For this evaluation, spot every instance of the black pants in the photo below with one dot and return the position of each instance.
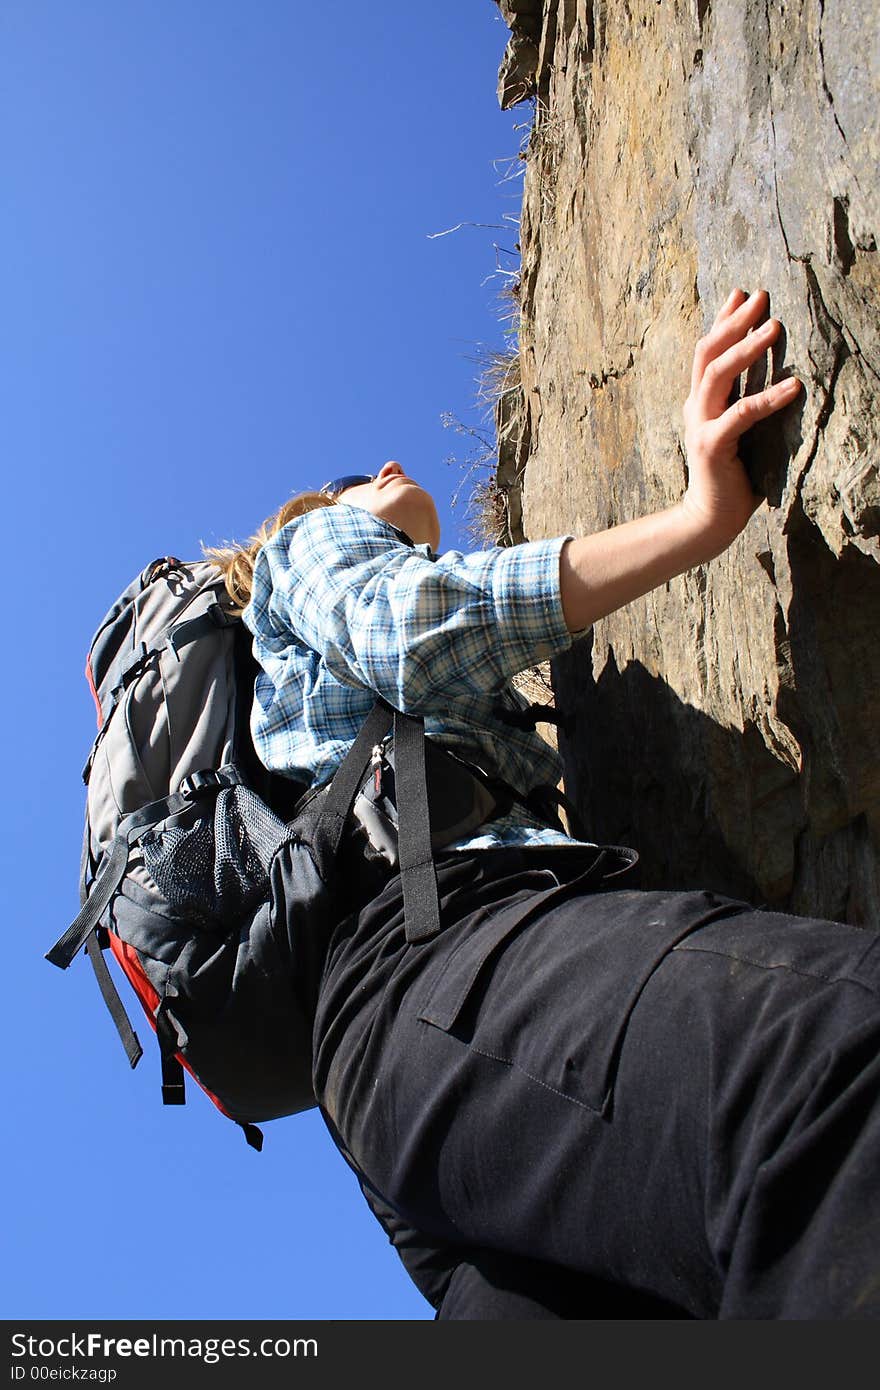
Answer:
(672, 1093)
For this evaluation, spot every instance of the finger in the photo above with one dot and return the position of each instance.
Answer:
(731, 303)
(734, 324)
(722, 372)
(730, 426)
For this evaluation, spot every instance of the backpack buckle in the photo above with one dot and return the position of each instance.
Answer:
(200, 784)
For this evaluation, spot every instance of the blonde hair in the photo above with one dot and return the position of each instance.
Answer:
(237, 561)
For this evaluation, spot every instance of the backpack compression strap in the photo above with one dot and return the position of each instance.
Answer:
(105, 885)
(129, 1037)
(113, 869)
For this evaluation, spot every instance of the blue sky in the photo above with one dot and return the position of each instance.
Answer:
(219, 286)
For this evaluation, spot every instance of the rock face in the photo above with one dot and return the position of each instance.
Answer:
(728, 725)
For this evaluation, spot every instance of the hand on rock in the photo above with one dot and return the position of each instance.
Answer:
(719, 497)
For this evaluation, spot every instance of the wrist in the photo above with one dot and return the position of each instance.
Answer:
(709, 530)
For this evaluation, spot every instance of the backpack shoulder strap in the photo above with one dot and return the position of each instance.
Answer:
(339, 797)
(421, 906)
(415, 853)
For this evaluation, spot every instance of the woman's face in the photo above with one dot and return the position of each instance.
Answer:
(394, 497)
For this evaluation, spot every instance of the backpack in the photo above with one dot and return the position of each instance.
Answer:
(212, 882)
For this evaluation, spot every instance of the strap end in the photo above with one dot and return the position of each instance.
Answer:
(253, 1136)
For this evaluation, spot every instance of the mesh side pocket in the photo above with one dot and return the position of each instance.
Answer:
(217, 869)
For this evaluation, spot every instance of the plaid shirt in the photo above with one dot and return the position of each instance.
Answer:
(343, 608)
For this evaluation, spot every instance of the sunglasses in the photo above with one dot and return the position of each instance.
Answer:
(332, 489)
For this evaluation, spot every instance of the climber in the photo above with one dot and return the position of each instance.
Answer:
(673, 1094)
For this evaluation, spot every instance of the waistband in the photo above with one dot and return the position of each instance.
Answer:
(478, 874)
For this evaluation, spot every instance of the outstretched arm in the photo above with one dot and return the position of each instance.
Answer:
(602, 572)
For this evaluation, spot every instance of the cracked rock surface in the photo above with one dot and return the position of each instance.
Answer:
(727, 725)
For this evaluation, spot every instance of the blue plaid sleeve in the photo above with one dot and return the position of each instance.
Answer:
(399, 621)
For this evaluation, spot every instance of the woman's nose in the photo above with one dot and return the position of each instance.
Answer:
(389, 468)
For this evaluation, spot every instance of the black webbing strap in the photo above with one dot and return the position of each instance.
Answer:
(421, 907)
(214, 617)
(252, 1133)
(350, 774)
(105, 885)
(127, 1035)
(122, 676)
(173, 1089)
(116, 863)
(415, 854)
